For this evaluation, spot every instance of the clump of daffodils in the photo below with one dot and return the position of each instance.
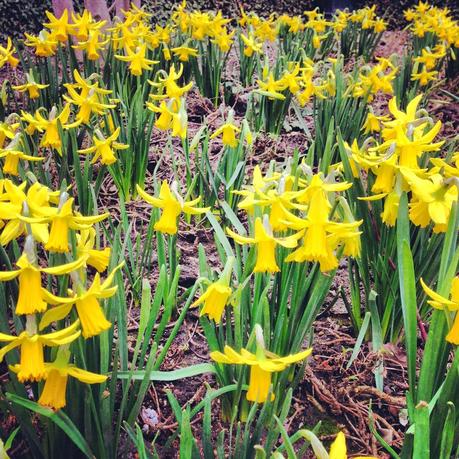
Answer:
(393, 159)
(170, 94)
(44, 222)
(312, 219)
(431, 20)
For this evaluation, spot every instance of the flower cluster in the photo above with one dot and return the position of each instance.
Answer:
(46, 222)
(395, 163)
(310, 212)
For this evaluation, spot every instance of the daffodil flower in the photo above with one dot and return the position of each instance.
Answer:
(172, 116)
(93, 45)
(86, 301)
(137, 59)
(32, 87)
(6, 54)
(172, 205)
(251, 45)
(184, 53)
(104, 148)
(401, 118)
(217, 294)
(262, 364)
(45, 43)
(82, 25)
(278, 201)
(424, 76)
(373, 123)
(266, 245)
(440, 302)
(271, 87)
(19, 207)
(57, 373)
(429, 59)
(228, 132)
(31, 364)
(97, 258)
(32, 296)
(338, 449)
(434, 199)
(59, 26)
(62, 220)
(321, 236)
(224, 40)
(51, 137)
(7, 130)
(13, 153)
(56, 376)
(169, 84)
(88, 102)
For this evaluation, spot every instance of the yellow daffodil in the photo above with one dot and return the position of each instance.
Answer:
(390, 211)
(137, 59)
(45, 43)
(56, 376)
(98, 258)
(6, 54)
(31, 364)
(321, 236)
(59, 26)
(440, 302)
(228, 132)
(19, 207)
(271, 87)
(217, 294)
(7, 130)
(172, 116)
(424, 76)
(266, 245)
(168, 85)
(434, 199)
(373, 123)
(32, 87)
(408, 140)
(251, 45)
(49, 127)
(172, 205)
(93, 45)
(13, 153)
(104, 148)
(62, 220)
(32, 296)
(224, 40)
(262, 364)
(88, 308)
(429, 59)
(88, 101)
(338, 449)
(83, 24)
(184, 53)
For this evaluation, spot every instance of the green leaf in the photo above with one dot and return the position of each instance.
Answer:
(407, 289)
(174, 375)
(59, 418)
(359, 340)
(421, 448)
(447, 436)
(220, 234)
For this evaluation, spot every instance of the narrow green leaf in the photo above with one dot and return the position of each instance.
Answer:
(59, 418)
(174, 375)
